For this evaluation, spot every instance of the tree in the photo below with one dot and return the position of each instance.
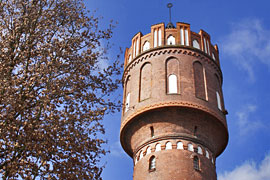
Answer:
(53, 93)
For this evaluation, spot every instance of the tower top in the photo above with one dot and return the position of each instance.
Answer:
(170, 24)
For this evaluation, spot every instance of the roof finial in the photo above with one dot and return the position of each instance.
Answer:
(170, 24)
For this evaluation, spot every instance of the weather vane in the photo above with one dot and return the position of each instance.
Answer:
(170, 24)
(170, 5)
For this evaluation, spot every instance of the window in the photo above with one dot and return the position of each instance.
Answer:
(196, 163)
(218, 101)
(205, 47)
(213, 56)
(168, 145)
(152, 163)
(186, 37)
(146, 46)
(172, 84)
(152, 131)
(180, 145)
(218, 91)
(158, 147)
(182, 36)
(127, 95)
(137, 47)
(129, 59)
(172, 73)
(195, 130)
(135, 160)
(127, 102)
(200, 150)
(190, 147)
(159, 37)
(134, 49)
(207, 154)
(171, 40)
(196, 44)
(148, 150)
(155, 38)
(208, 47)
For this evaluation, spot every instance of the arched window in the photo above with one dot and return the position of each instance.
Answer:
(129, 59)
(218, 90)
(190, 147)
(158, 147)
(155, 38)
(218, 101)
(196, 44)
(172, 73)
(205, 46)
(152, 163)
(172, 84)
(199, 80)
(171, 40)
(127, 102)
(207, 154)
(145, 81)
(127, 95)
(159, 36)
(180, 145)
(168, 145)
(213, 56)
(200, 150)
(152, 131)
(148, 150)
(146, 46)
(135, 160)
(137, 47)
(196, 163)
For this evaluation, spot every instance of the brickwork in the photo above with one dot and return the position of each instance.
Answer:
(191, 114)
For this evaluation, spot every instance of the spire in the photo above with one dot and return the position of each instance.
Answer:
(170, 24)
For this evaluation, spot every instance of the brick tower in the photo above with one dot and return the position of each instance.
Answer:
(173, 120)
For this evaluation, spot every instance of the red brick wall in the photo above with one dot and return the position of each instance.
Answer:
(174, 117)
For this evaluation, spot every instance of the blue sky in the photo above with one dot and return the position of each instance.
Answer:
(242, 31)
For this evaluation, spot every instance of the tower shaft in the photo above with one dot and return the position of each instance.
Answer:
(173, 120)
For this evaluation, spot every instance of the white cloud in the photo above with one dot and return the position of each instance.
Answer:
(247, 44)
(245, 124)
(249, 171)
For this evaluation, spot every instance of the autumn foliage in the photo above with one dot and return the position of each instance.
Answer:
(53, 92)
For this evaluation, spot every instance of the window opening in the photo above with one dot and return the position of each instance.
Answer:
(158, 147)
(207, 154)
(127, 102)
(218, 101)
(195, 130)
(172, 84)
(180, 145)
(146, 46)
(152, 163)
(199, 150)
(171, 40)
(168, 145)
(196, 163)
(190, 147)
(152, 131)
(196, 44)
